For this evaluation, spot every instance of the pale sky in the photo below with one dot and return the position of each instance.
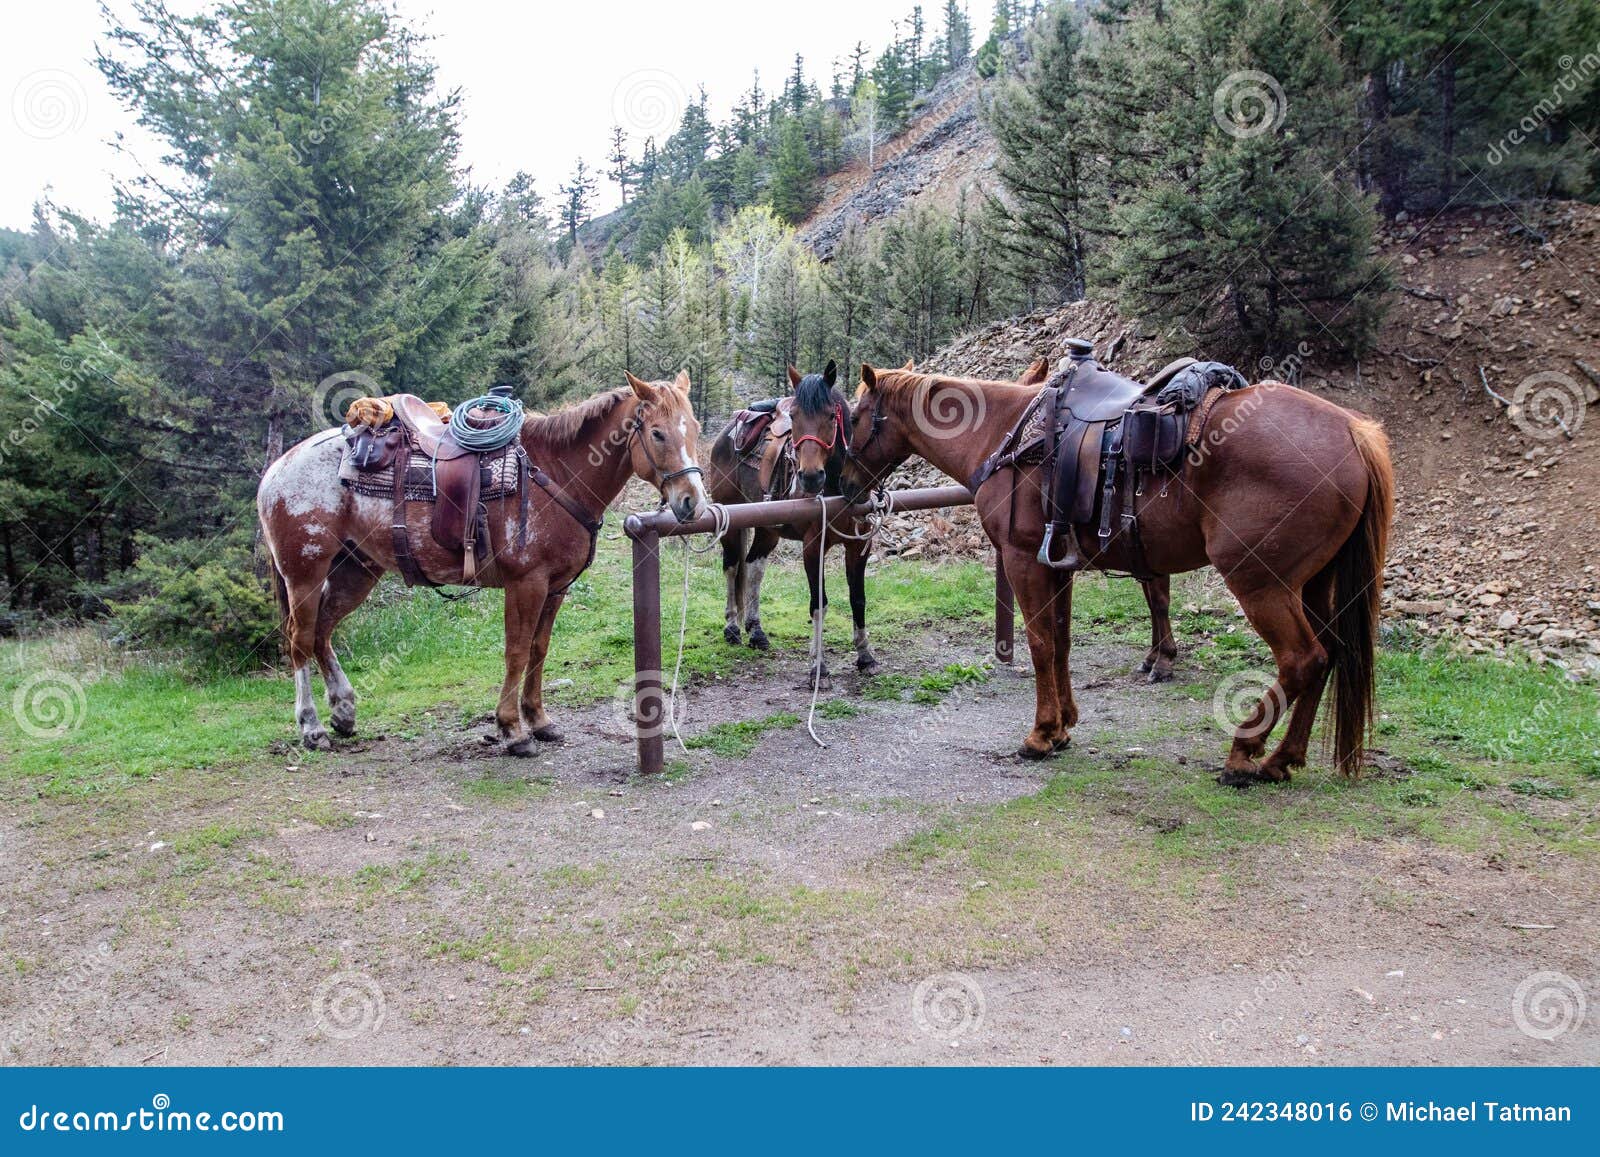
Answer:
(542, 84)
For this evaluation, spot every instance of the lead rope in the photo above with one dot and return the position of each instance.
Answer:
(816, 626)
(719, 515)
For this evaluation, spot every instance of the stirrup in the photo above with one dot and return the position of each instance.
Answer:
(1068, 561)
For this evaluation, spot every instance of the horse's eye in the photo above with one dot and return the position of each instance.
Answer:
(658, 435)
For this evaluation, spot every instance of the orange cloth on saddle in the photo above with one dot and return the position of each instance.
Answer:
(378, 412)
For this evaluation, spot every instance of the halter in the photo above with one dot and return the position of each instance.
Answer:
(839, 429)
(850, 452)
(635, 428)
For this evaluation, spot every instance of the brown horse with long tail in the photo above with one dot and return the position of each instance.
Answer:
(1292, 506)
(330, 544)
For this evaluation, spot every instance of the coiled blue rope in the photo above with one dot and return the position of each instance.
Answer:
(482, 440)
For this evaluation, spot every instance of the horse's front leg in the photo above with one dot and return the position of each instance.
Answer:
(1035, 588)
(1163, 647)
(539, 723)
(856, 552)
(524, 602)
(811, 561)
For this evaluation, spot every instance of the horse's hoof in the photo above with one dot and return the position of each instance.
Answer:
(549, 733)
(1034, 753)
(730, 634)
(342, 726)
(520, 748)
(317, 740)
(1160, 675)
(1144, 668)
(867, 666)
(758, 639)
(1240, 777)
(1057, 746)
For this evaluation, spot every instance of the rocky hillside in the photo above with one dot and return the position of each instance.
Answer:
(944, 151)
(1487, 377)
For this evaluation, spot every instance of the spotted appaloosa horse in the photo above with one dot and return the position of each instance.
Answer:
(1293, 508)
(816, 445)
(330, 545)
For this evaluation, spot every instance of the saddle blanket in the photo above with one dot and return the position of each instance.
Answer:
(501, 476)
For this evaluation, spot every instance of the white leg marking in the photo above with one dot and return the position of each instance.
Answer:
(754, 573)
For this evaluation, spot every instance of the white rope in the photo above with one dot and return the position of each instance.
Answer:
(817, 619)
(719, 517)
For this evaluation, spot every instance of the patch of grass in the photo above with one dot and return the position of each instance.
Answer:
(838, 709)
(492, 788)
(211, 836)
(737, 740)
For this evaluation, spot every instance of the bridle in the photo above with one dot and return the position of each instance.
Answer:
(839, 430)
(851, 453)
(635, 431)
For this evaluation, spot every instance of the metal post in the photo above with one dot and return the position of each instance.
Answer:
(649, 706)
(1004, 614)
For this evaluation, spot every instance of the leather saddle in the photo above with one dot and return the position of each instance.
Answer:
(760, 435)
(456, 480)
(1100, 434)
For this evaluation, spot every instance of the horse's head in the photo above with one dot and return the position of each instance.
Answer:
(819, 426)
(877, 442)
(665, 439)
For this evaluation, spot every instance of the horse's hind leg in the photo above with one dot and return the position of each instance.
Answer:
(1279, 616)
(524, 602)
(1163, 647)
(855, 573)
(734, 544)
(762, 544)
(1317, 603)
(304, 601)
(348, 584)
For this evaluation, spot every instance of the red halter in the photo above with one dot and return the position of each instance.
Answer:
(838, 428)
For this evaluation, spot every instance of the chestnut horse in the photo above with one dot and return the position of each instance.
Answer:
(1289, 496)
(330, 544)
(816, 448)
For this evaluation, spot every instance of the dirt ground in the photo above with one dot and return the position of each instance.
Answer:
(427, 900)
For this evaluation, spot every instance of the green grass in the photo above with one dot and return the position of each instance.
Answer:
(739, 739)
(420, 663)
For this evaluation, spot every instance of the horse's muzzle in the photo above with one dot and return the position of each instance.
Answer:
(811, 481)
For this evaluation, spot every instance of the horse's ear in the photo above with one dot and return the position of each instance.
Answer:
(645, 391)
(682, 381)
(909, 366)
(1035, 373)
(869, 378)
(830, 373)
(794, 377)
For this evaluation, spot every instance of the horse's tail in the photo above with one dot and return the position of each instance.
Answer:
(1357, 601)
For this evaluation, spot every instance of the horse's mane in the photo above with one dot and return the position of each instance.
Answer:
(814, 395)
(564, 427)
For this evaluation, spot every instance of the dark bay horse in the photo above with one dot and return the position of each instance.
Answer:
(330, 544)
(1291, 501)
(815, 451)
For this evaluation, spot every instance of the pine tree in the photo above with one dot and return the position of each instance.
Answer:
(790, 193)
(621, 170)
(1242, 222)
(1045, 160)
(577, 196)
(991, 53)
(957, 35)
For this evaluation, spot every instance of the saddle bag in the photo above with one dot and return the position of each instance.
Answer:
(373, 449)
(1152, 436)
